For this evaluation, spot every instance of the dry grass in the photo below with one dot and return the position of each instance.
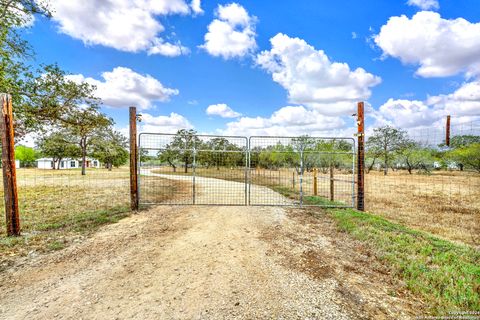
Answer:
(446, 204)
(443, 203)
(56, 207)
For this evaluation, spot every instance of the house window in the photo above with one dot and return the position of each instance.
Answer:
(62, 164)
(52, 164)
(95, 163)
(72, 164)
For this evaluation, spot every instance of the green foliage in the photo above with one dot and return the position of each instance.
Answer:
(306, 151)
(82, 124)
(180, 149)
(384, 143)
(463, 141)
(413, 156)
(26, 155)
(58, 145)
(468, 156)
(15, 52)
(109, 146)
(219, 152)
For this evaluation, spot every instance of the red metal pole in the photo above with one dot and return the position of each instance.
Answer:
(447, 132)
(361, 157)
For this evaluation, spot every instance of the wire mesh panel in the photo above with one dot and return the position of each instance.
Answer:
(303, 171)
(193, 169)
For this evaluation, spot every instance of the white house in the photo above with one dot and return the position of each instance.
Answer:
(48, 163)
(17, 164)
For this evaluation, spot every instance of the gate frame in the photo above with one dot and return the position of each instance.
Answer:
(194, 150)
(301, 205)
(247, 170)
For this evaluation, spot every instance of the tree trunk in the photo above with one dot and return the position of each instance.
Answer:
(83, 145)
(110, 166)
(385, 166)
(370, 167)
(59, 162)
(186, 166)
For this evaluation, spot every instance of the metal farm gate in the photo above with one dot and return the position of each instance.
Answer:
(189, 169)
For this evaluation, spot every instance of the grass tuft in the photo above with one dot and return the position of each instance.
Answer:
(444, 274)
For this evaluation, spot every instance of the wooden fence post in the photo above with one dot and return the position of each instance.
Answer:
(361, 157)
(315, 182)
(9, 169)
(133, 160)
(332, 184)
(447, 132)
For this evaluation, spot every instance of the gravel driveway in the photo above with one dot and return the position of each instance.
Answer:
(200, 263)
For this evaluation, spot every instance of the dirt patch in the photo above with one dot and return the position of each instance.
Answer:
(314, 246)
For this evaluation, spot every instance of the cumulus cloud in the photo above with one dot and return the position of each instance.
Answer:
(287, 121)
(232, 33)
(424, 4)
(408, 113)
(439, 46)
(122, 24)
(222, 110)
(463, 104)
(312, 79)
(123, 87)
(196, 6)
(164, 124)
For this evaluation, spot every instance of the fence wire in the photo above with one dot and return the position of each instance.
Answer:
(64, 201)
(218, 170)
(439, 195)
(198, 169)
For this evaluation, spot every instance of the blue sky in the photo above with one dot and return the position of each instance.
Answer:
(89, 38)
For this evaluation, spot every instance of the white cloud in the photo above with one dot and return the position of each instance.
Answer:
(408, 113)
(164, 124)
(313, 80)
(167, 49)
(424, 4)
(222, 110)
(463, 104)
(440, 47)
(465, 101)
(123, 87)
(232, 33)
(122, 24)
(287, 121)
(196, 6)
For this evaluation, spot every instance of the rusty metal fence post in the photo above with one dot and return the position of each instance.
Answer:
(361, 157)
(447, 132)
(9, 169)
(133, 160)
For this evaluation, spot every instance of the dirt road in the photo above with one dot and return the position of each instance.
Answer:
(223, 192)
(199, 263)
(207, 263)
